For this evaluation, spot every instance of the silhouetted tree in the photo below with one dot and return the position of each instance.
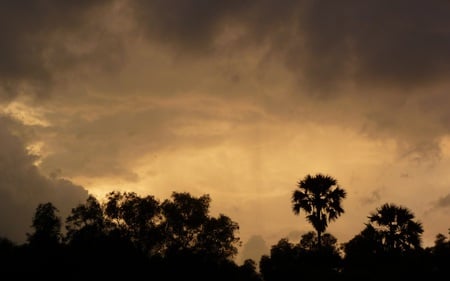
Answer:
(248, 271)
(308, 242)
(320, 197)
(95, 245)
(42, 256)
(396, 228)
(362, 251)
(440, 256)
(324, 261)
(86, 222)
(389, 244)
(137, 217)
(197, 245)
(305, 259)
(218, 238)
(282, 263)
(188, 226)
(184, 217)
(6, 246)
(9, 257)
(47, 227)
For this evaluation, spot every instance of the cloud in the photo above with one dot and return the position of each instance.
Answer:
(49, 41)
(373, 198)
(375, 43)
(254, 248)
(378, 67)
(23, 187)
(116, 82)
(443, 202)
(388, 59)
(112, 141)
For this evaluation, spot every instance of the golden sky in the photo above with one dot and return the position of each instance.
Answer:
(235, 99)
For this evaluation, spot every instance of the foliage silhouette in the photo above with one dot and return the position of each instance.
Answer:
(320, 197)
(396, 228)
(86, 222)
(176, 238)
(127, 236)
(43, 252)
(137, 218)
(188, 227)
(389, 244)
(305, 259)
(440, 256)
(47, 226)
(94, 244)
(248, 271)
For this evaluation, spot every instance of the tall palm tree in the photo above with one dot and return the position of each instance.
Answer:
(396, 227)
(320, 197)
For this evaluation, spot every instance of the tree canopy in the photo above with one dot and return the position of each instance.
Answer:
(128, 236)
(320, 197)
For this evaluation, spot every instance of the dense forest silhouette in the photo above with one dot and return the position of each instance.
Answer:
(127, 236)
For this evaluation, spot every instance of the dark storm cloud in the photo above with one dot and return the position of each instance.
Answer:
(40, 40)
(191, 24)
(389, 60)
(373, 43)
(392, 46)
(23, 187)
(193, 27)
(401, 44)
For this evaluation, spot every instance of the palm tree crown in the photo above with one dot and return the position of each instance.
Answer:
(397, 228)
(320, 197)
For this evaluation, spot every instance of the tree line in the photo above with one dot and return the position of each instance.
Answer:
(388, 248)
(141, 238)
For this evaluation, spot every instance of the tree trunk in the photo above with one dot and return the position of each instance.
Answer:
(319, 239)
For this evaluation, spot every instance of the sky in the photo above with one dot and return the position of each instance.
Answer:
(237, 99)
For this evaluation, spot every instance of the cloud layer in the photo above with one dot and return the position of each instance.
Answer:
(23, 187)
(127, 91)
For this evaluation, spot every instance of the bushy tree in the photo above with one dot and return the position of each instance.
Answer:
(188, 227)
(47, 227)
(305, 259)
(137, 218)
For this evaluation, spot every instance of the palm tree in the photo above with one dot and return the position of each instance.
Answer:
(320, 197)
(396, 228)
